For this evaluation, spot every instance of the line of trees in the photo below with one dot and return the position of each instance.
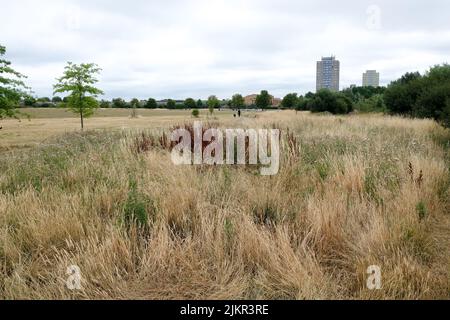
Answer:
(236, 102)
(422, 96)
(415, 95)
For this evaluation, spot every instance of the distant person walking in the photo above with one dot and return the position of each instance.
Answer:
(239, 113)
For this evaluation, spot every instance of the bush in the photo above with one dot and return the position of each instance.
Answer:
(195, 113)
(373, 104)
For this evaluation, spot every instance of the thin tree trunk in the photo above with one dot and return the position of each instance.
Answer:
(81, 111)
(82, 120)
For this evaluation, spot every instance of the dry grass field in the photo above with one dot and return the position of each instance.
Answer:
(352, 191)
(44, 123)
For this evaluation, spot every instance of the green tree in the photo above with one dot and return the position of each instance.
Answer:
(189, 103)
(29, 101)
(401, 95)
(12, 88)
(119, 103)
(434, 96)
(151, 104)
(134, 103)
(237, 101)
(309, 95)
(302, 104)
(290, 101)
(56, 100)
(104, 104)
(213, 103)
(199, 104)
(327, 101)
(171, 104)
(79, 81)
(263, 100)
(424, 96)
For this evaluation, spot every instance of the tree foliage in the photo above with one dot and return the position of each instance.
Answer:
(104, 104)
(357, 94)
(290, 101)
(12, 88)
(171, 104)
(263, 100)
(119, 103)
(237, 101)
(213, 103)
(190, 103)
(402, 94)
(78, 81)
(426, 96)
(327, 101)
(151, 104)
(134, 103)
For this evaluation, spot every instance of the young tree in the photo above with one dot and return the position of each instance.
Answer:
(189, 103)
(237, 101)
(151, 104)
(213, 103)
(12, 88)
(263, 100)
(78, 81)
(134, 105)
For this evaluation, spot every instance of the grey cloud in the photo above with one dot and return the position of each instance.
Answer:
(196, 48)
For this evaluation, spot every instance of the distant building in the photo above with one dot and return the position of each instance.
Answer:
(371, 78)
(276, 102)
(250, 100)
(327, 76)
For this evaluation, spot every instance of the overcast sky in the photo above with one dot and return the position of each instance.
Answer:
(179, 49)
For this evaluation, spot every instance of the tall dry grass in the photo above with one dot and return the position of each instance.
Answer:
(351, 192)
